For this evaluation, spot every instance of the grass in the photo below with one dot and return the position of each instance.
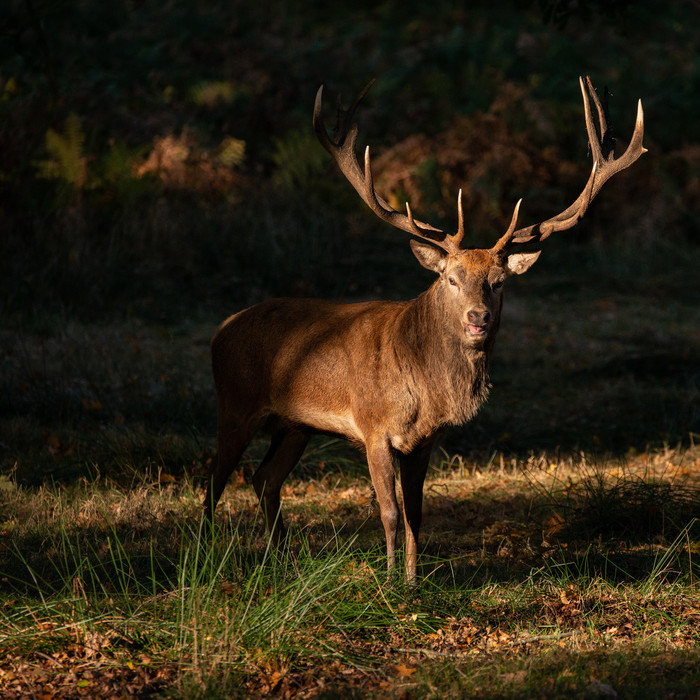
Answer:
(111, 587)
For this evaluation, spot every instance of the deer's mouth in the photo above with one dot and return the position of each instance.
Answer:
(475, 330)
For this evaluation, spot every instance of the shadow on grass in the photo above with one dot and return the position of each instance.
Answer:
(640, 672)
(615, 529)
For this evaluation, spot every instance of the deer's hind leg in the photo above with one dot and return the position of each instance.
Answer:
(286, 447)
(233, 438)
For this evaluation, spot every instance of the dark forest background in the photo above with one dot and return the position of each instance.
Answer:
(158, 158)
(159, 171)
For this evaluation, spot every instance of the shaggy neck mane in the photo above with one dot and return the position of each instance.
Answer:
(434, 353)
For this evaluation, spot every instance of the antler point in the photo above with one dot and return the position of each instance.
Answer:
(318, 101)
(513, 222)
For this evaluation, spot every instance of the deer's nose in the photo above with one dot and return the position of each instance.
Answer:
(479, 318)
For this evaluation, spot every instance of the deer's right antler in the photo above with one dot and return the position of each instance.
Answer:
(342, 148)
(605, 165)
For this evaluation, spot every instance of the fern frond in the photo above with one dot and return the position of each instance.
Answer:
(68, 161)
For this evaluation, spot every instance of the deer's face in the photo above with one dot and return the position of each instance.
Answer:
(471, 284)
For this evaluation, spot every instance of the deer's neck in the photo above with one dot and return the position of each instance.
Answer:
(453, 374)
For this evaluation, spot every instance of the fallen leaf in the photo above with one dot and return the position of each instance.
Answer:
(517, 677)
(57, 448)
(553, 525)
(404, 671)
(237, 479)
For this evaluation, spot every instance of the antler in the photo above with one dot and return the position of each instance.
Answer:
(342, 148)
(604, 167)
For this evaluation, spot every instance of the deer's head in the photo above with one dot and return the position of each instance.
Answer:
(470, 285)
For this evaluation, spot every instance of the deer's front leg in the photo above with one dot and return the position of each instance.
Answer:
(413, 468)
(381, 470)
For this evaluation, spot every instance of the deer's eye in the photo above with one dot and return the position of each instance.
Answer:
(452, 281)
(497, 285)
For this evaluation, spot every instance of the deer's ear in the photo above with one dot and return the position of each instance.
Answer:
(429, 256)
(517, 263)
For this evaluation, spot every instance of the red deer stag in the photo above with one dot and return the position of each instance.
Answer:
(388, 376)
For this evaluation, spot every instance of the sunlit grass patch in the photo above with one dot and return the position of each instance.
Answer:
(121, 580)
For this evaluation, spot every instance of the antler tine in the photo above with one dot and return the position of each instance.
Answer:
(604, 146)
(342, 148)
(344, 117)
(505, 240)
(458, 237)
(605, 165)
(416, 231)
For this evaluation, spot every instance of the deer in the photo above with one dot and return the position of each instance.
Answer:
(389, 376)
